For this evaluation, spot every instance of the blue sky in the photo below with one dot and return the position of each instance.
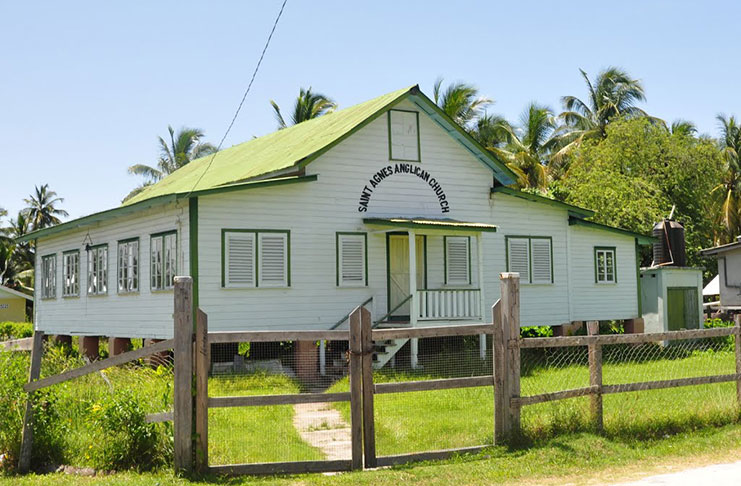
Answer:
(86, 87)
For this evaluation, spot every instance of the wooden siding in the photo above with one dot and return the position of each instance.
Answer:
(143, 314)
(589, 300)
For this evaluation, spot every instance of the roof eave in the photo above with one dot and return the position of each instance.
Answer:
(641, 239)
(573, 210)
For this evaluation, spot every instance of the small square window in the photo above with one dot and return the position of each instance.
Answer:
(604, 265)
(403, 128)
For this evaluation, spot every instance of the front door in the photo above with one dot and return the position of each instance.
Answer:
(398, 272)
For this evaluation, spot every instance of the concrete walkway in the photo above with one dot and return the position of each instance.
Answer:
(716, 475)
(320, 425)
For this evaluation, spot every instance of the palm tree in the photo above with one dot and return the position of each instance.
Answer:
(182, 148)
(528, 149)
(461, 102)
(42, 208)
(683, 127)
(728, 191)
(613, 94)
(24, 252)
(308, 105)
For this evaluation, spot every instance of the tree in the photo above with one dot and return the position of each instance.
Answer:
(16, 259)
(180, 150)
(528, 148)
(633, 177)
(683, 127)
(308, 105)
(614, 94)
(42, 210)
(461, 102)
(727, 192)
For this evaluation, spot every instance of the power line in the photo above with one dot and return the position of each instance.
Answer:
(249, 86)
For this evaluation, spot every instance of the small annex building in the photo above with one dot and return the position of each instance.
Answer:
(729, 275)
(388, 202)
(13, 305)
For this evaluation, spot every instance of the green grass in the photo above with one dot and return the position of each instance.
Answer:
(255, 434)
(571, 458)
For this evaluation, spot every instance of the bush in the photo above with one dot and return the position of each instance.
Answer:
(536, 331)
(122, 437)
(49, 430)
(15, 330)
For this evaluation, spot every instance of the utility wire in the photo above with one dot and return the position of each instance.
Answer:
(239, 108)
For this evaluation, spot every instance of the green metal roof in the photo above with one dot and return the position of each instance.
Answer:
(292, 148)
(576, 210)
(448, 224)
(642, 239)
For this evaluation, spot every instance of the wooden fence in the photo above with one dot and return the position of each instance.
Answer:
(507, 366)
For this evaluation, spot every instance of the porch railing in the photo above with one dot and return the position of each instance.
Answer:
(436, 304)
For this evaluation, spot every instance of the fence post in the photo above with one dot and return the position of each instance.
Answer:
(356, 394)
(510, 305)
(369, 429)
(499, 349)
(203, 362)
(737, 318)
(183, 407)
(595, 376)
(24, 461)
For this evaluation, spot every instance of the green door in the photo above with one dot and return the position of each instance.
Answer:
(682, 312)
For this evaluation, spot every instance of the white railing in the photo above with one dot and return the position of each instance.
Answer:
(438, 304)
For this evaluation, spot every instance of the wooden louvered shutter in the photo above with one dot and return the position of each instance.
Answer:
(239, 253)
(540, 249)
(457, 258)
(351, 261)
(273, 248)
(518, 257)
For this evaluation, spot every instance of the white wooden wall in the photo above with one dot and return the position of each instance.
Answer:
(144, 314)
(590, 300)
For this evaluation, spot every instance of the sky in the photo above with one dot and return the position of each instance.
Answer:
(87, 87)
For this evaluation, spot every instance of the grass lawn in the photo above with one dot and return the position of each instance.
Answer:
(255, 434)
(422, 421)
(572, 458)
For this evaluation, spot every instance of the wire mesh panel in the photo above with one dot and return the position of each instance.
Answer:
(258, 432)
(652, 411)
(432, 419)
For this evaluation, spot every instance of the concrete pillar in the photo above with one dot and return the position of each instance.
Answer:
(323, 358)
(634, 326)
(118, 345)
(307, 358)
(89, 347)
(568, 329)
(414, 353)
(63, 339)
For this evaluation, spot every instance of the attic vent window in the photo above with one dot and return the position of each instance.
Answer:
(403, 128)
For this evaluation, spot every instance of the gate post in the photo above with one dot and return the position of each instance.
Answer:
(356, 394)
(595, 376)
(501, 384)
(183, 406)
(203, 362)
(369, 428)
(510, 315)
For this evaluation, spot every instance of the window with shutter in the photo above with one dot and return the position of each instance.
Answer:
(273, 248)
(239, 254)
(351, 260)
(403, 135)
(457, 260)
(540, 250)
(518, 257)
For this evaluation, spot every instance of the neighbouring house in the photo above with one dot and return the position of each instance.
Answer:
(729, 276)
(13, 305)
(388, 200)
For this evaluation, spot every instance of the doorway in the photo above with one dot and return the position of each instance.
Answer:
(397, 282)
